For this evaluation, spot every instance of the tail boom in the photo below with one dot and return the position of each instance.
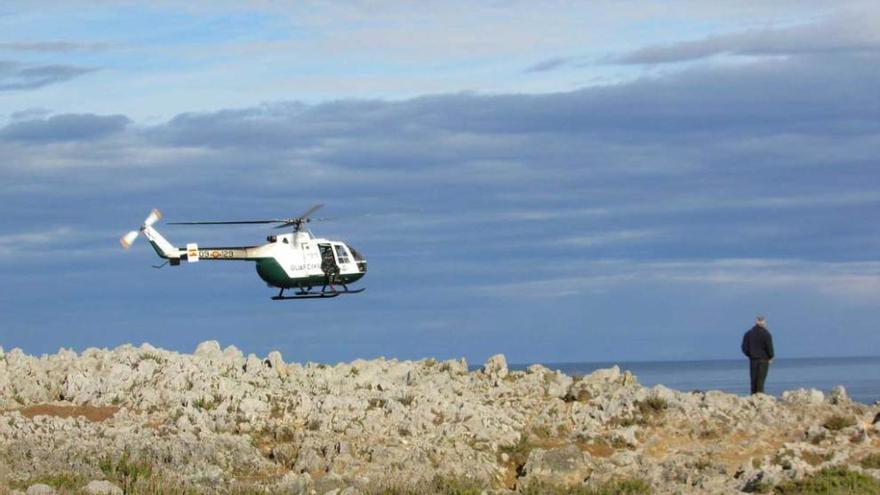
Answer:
(194, 253)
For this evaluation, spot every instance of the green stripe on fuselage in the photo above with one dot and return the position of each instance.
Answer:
(273, 274)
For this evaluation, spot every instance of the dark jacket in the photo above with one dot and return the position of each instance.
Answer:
(758, 343)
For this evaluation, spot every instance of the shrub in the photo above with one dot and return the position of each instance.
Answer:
(831, 481)
(652, 405)
(837, 422)
(871, 461)
(518, 453)
(125, 470)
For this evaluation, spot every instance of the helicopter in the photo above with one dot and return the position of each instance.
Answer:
(295, 260)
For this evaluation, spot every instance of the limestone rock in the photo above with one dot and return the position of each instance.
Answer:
(102, 487)
(209, 349)
(40, 489)
(565, 465)
(803, 396)
(208, 417)
(495, 367)
(295, 484)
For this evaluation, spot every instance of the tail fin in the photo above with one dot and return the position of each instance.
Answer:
(163, 248)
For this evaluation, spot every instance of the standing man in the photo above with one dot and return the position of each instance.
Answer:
(757, 345)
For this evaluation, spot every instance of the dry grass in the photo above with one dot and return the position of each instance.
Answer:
(599, 449)
(95, 414)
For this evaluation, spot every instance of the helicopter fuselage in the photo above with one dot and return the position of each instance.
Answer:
(287, 261)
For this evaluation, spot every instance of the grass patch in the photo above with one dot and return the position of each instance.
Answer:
(614, 487)
(125, 471)
(464, 486)
(871, 461)
(815, 458)
(151, 356)
(440, 485)
(837, 422)
(61, 482)
(207, 404)
(832, 481)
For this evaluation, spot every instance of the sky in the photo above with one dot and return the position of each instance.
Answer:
(555, 181)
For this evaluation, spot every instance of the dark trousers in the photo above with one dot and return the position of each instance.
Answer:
(758, 372)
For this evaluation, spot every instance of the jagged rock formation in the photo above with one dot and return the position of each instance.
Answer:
(216, 417)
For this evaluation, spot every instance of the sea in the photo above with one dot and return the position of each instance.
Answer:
(859, 375)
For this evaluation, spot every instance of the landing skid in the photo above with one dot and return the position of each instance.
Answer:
(323, 293)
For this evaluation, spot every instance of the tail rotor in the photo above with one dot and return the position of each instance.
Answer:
(130, 237)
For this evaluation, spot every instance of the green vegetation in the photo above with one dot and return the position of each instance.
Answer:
(647, 412)
(542, 431)
(517, 454)
(125, 471)
(151, 356)
(816, 458)
(582, 395)
(837, 422)
(60, 482)
(438, 486)
(614, 487)
(140, 478)
(207, 404)
(832, 481)
(871, 461)
(652, 406)
(461, 486)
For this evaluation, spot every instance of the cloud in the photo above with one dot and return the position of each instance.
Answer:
(53, 46)
(548, 64)
(836, 35)
(65, 127)
(856, 282)
(27, 242)
(762, 120)
(755, 97)
(611, 237)
(735, 161)
(17, 76)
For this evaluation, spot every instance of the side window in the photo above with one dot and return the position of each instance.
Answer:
(341, 254)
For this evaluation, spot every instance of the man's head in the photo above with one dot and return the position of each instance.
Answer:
(761, 321)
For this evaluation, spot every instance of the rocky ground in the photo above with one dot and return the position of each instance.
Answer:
(218, 421)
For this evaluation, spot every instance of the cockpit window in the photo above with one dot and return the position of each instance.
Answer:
(341, 254)
(357, 255)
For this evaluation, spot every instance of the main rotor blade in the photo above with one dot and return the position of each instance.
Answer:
(226, 222)
(311, 210)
